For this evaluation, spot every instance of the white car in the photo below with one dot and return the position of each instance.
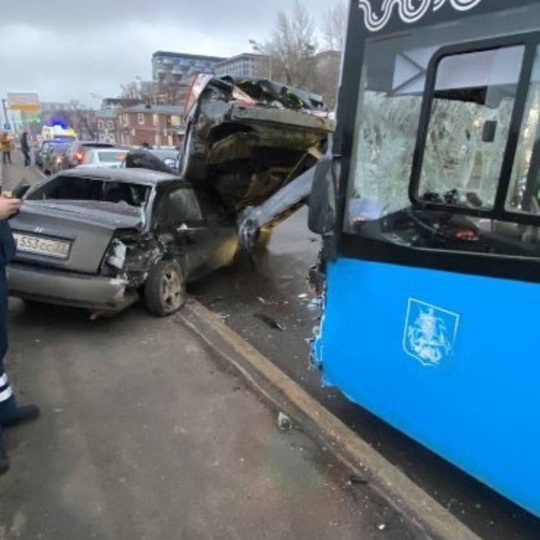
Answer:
(110, 158)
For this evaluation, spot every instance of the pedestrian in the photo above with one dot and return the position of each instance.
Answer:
(25, 148)
(10, 413)
(5, 145)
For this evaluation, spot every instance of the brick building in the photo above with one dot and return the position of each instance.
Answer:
(107, 125)
(157, 125)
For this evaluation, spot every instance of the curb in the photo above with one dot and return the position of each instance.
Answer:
(283, 393)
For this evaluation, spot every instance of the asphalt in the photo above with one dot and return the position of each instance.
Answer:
(146, 434)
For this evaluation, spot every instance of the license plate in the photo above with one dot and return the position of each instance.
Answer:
(27, 243)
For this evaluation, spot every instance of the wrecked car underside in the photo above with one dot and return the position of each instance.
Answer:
(248, 139)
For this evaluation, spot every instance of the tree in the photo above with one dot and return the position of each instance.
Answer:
(335, 27)
(293, 47)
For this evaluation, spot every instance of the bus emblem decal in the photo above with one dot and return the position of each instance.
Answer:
(410, 11)
(430, 333)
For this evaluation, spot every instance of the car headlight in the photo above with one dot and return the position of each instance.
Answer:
(116, 256)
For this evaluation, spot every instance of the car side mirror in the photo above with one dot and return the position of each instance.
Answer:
(323, 200)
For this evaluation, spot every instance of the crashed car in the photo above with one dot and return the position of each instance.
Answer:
(248, 138)
(100, 239)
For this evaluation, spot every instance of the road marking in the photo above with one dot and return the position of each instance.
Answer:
(277, 387)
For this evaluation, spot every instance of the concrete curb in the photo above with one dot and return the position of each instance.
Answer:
(284, 394)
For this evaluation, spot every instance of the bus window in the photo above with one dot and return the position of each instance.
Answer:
(387, 130)
(524, 192)
(469, 123)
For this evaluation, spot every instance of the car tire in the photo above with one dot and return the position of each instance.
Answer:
(190, 165)
(165, 289)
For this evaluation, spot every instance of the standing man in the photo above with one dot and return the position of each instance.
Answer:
(25, 148)
(10, 414)
(5, 146)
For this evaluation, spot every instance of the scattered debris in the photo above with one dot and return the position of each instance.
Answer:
(223, 316)
(356, 479)
(381, 527)
(270, 321)
(302, 296)
(284, 422)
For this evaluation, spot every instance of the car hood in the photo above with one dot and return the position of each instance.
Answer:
(88, 226)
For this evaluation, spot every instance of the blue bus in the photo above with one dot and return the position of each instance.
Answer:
(429, 207)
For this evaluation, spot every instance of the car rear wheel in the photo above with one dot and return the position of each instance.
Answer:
(165, 289)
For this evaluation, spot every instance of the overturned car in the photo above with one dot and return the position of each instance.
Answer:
(247, 139)
(102, 238)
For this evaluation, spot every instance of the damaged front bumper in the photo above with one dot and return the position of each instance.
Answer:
(69, 289)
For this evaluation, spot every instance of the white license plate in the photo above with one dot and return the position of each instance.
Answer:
(28, 243)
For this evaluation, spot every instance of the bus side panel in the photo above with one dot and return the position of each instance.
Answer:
(437, 355)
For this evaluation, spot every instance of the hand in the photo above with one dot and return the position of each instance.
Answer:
(7, 195)
(9, 207)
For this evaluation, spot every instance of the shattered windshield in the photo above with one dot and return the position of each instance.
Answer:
(442, 146)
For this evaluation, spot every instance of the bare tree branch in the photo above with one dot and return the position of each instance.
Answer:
(335, 27)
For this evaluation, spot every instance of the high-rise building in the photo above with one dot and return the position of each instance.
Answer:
(177, 67)
(244, 65)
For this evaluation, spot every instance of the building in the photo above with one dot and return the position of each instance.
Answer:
(178, 67)
(107, 125)
(157, 125)
(164, 93)
(244, 65)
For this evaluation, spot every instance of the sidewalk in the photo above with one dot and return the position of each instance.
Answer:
(11, 174)
(145, 435)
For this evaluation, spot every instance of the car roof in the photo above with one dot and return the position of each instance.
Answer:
(145, 177)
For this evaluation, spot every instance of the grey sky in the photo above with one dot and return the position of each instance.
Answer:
(69, 49)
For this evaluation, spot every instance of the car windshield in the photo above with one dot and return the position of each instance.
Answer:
(77, 188)
(111, 157)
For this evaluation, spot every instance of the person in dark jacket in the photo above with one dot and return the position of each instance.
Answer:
(25, 148)
(11, 414)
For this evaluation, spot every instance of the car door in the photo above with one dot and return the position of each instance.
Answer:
(180, 223)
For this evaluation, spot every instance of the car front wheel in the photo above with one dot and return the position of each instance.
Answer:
(165, 289)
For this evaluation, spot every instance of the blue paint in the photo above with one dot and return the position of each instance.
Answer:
(476, 402)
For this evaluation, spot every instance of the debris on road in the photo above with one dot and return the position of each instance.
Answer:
(270, 321)
(284, 422)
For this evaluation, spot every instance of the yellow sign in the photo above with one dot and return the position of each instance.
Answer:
(23, 101)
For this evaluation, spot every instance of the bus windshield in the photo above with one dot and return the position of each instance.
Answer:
(435, 125)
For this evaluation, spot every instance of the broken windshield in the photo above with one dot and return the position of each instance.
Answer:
(441, 122)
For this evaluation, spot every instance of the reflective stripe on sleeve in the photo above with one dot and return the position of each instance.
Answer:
(6, 394)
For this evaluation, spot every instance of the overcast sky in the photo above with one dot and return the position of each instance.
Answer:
(69, 49)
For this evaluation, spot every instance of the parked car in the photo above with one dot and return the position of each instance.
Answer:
(156, 160)
(110, 158)
(38, 156)
(100, 238)
(55, 157)
(78, 150)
